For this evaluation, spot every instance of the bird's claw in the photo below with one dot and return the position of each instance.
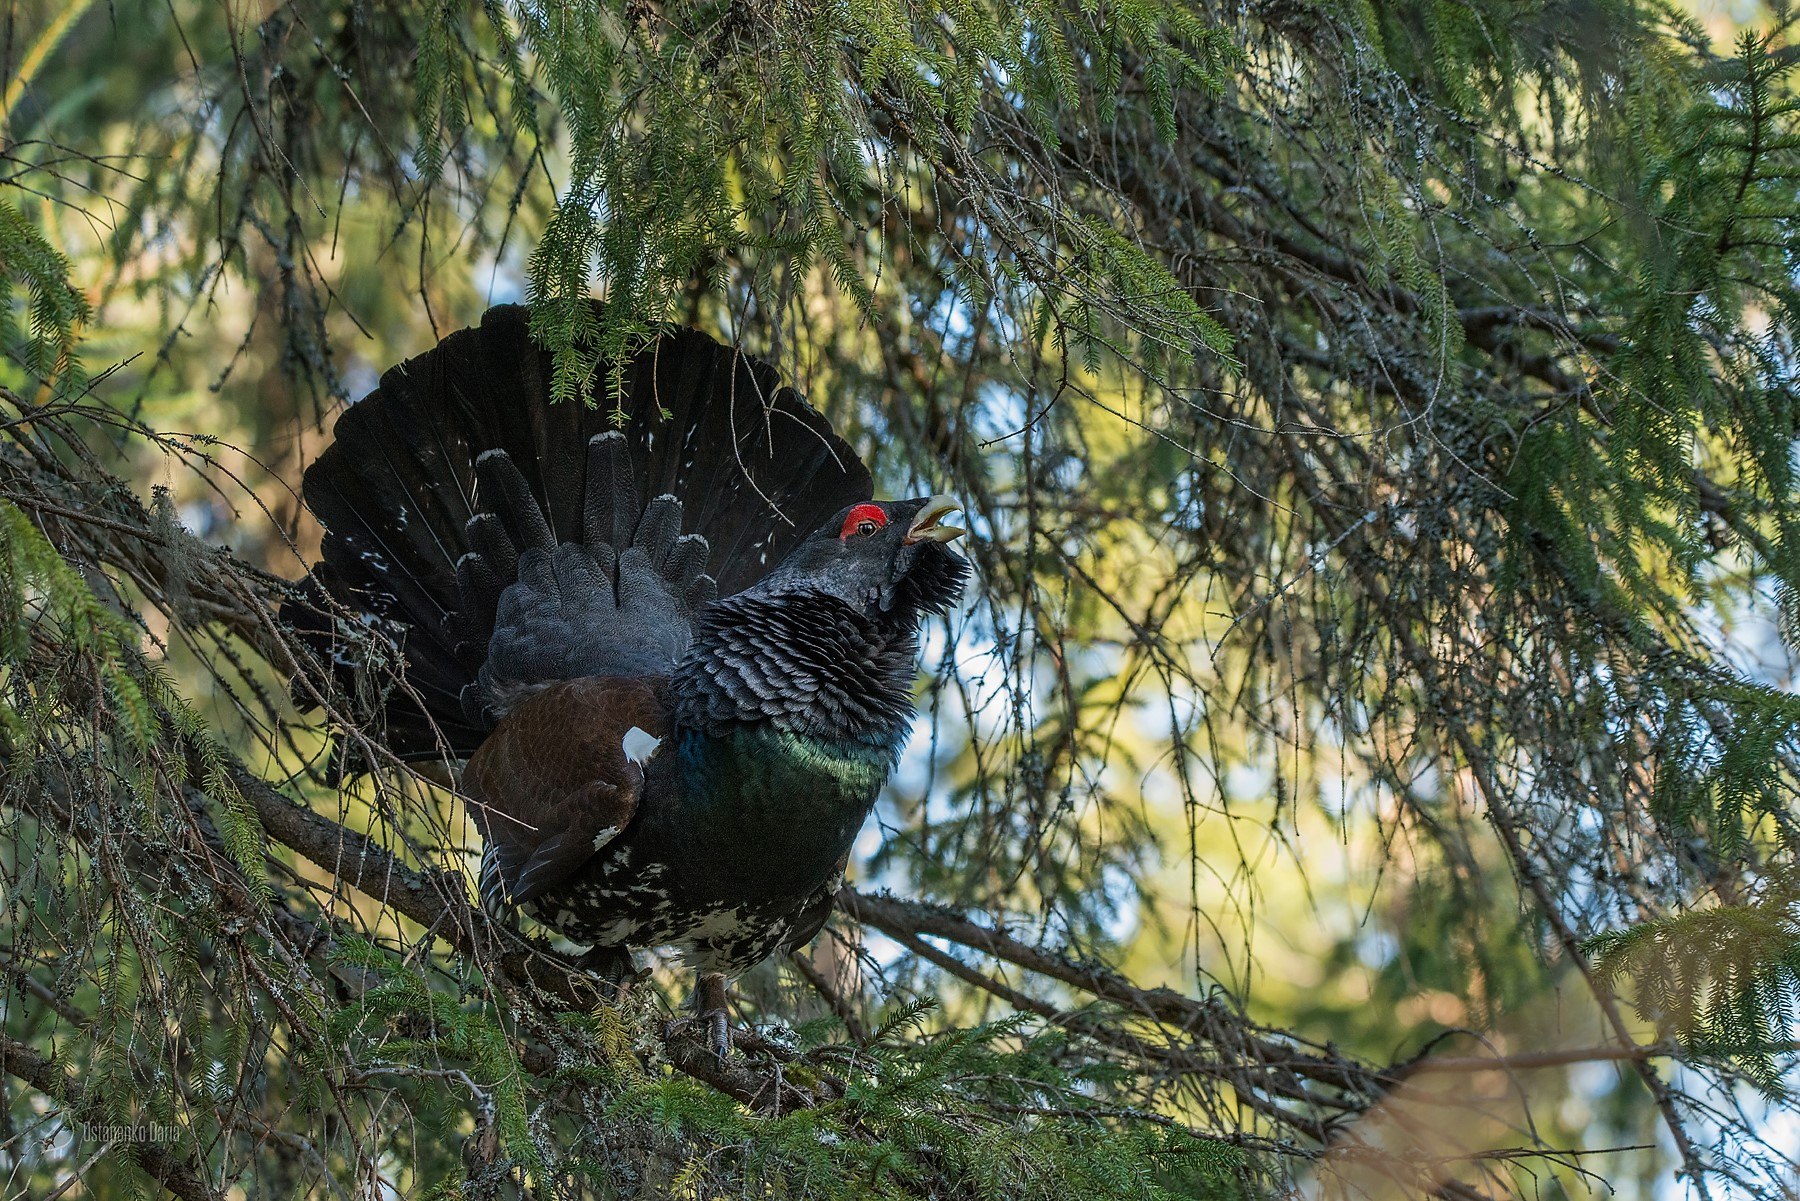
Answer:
(712, 1024)
(710, 1001)
(615, 968)
(718, 1033)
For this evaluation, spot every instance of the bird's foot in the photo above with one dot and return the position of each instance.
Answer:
(710, 1001)
(614, 966)
(718, 1033)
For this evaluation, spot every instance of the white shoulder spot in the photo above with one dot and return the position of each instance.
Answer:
(640, 745)
(605, 836)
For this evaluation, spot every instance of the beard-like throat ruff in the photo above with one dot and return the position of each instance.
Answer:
(930, 580)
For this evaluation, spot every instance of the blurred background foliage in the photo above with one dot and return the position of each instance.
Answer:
(1376, 420)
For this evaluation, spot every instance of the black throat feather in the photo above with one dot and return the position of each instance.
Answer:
(803, 662)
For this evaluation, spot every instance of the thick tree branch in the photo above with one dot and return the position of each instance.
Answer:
(1210, 1021)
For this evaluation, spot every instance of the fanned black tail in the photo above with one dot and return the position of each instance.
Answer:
(504, 541)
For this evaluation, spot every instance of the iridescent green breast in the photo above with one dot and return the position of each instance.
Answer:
(855, 769)
(760, 768)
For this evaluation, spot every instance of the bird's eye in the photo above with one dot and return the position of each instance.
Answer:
(863, 519)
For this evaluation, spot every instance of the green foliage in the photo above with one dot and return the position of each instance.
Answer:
(1719, 186)
(98, 745)
(917, 1119)
(1721, 772)
(702, 134)
(991, 1110)
(44, 601)
(401, 1016)
(1377, 421)
(53, 309)
(1726, 981)
(1695, 376)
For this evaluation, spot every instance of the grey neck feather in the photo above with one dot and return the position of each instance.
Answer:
(800, 661)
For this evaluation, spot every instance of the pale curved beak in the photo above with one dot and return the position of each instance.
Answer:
(926, 527)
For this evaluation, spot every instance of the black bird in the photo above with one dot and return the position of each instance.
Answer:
(669, 632)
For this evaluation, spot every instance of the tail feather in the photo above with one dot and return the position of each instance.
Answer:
(457, 475)
(610, 502)
(506, 495)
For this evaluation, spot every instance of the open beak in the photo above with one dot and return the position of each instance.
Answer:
(925, 527)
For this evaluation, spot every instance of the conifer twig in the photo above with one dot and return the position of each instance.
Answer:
(177, 1173)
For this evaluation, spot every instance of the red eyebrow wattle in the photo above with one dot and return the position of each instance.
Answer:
(860, 514)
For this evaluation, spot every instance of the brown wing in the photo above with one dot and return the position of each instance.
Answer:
(559, 777)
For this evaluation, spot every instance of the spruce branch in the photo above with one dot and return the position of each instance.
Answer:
(181, 1175)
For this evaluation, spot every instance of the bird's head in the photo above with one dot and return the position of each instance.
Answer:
(887, 559)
